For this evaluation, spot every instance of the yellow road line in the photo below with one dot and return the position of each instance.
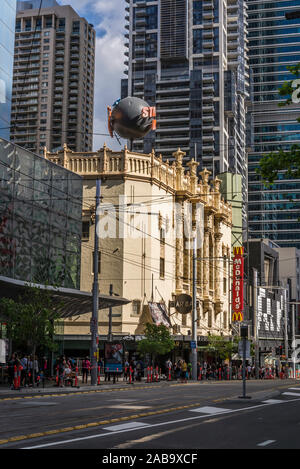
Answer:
(39, 396)
(94, 424)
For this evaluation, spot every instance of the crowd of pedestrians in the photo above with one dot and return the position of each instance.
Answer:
(34, 371)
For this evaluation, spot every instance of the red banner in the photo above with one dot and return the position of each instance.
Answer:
(238, 284)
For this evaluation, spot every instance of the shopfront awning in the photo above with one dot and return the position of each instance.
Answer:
(70, 302)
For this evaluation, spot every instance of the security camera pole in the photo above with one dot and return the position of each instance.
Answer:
(94, 320)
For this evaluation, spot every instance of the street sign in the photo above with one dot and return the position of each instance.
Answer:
(193, 344)
(184, 304)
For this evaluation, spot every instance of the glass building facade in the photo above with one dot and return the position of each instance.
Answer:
(274, 212)
(40, 219)
(7, 39)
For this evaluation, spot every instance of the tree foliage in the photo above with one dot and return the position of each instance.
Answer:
(31, 320)
(158, 340)
(283, 160)
(224, 348)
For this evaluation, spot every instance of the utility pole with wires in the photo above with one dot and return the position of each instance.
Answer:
(94, 320)
(194, 311)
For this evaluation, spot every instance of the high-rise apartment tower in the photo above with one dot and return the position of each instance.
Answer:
(189, 59)
(53, 87)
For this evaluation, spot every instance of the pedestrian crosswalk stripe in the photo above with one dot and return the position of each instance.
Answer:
(291, 394)
(273, 401)
(295, 389)
(265, 443)
(126, 426)
(210, 410)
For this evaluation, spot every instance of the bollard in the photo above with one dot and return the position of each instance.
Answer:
(130, 375)
(151, 374)
(125, 373)
(98, 380)
(76, 377)
(169, 373)
(15, 377)
(56, 379)
(220, 376)
(156, 378)
(148, 375)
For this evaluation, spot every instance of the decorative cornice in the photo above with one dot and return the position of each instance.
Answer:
(107, 164)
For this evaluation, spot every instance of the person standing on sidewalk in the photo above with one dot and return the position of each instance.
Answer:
(184, 371)
(86, 366)
(24, 370)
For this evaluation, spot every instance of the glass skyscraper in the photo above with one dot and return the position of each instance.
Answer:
(189, 59)
(274, 44)
(7, 39)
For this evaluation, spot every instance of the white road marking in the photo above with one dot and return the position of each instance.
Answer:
(126, 426)
(210, 410)
(273, 401)
(291, 394)
(169, 422)
(295, 389)
(266, 443)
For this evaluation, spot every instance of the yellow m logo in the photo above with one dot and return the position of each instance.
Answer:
(238, 251)
(237, 316)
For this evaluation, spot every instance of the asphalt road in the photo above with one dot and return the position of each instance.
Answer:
(158, 416)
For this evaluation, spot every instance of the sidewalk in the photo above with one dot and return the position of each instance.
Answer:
(52, 388)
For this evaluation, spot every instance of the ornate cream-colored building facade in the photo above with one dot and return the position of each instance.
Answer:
(144, 253)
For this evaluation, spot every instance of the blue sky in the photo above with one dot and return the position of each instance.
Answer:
(107, 16)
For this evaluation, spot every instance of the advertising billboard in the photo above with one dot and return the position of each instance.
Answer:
(113, 357)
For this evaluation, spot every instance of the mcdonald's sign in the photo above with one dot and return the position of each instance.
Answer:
(238, 284)
(237, 316)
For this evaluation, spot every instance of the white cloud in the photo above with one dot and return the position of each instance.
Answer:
(109, 64)
(107, 17)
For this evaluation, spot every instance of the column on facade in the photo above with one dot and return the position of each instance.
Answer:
(218, 277)
(179, 246)
(205, 275)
